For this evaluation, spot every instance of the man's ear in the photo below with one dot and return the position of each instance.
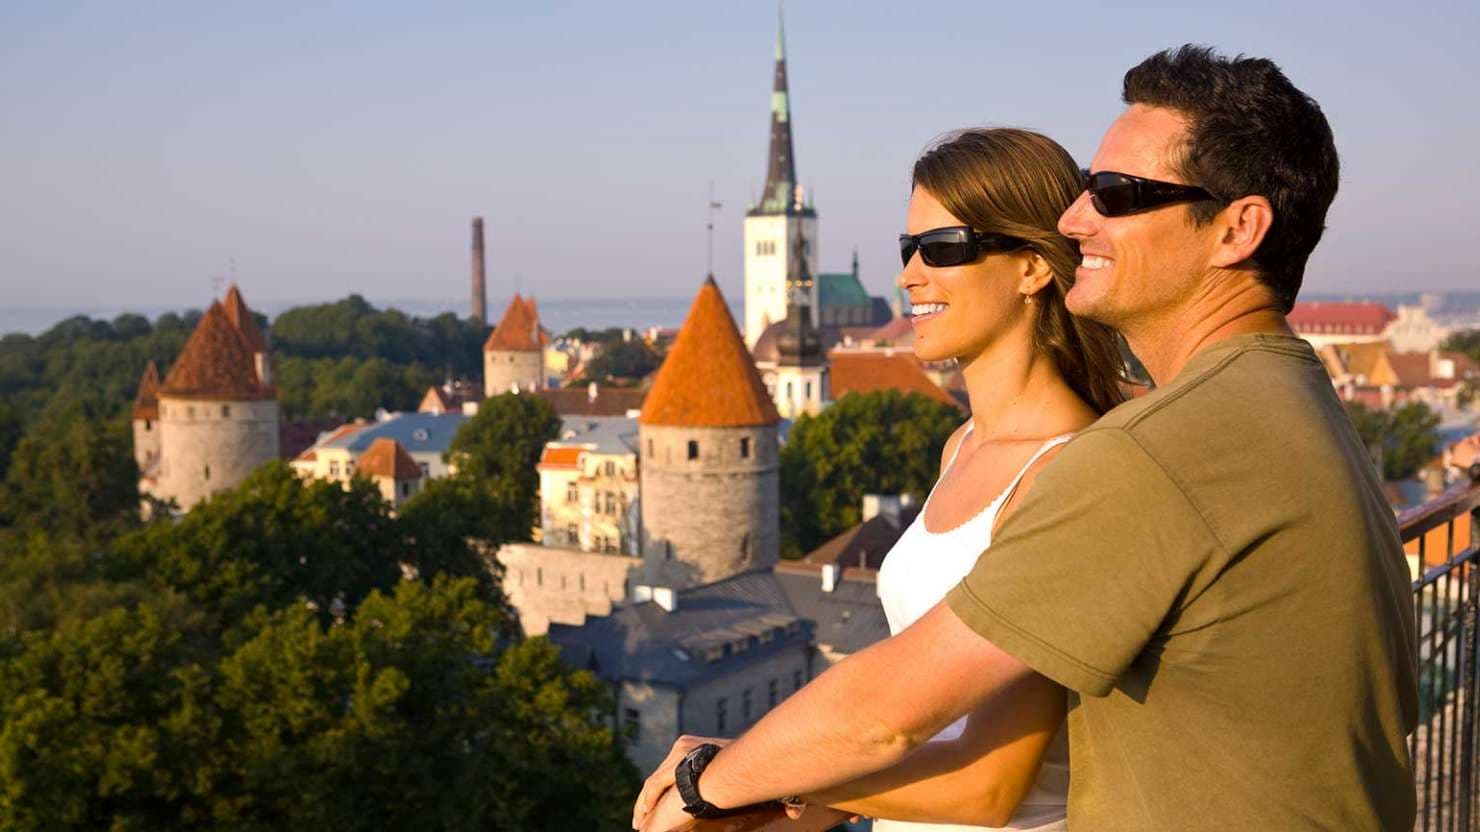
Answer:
(1244, 223)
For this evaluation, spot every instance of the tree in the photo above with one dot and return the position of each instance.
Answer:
(273, 540)
(495, 454)
(1401, 441)
(73, 473)
(412, 712)
(625, 360)
(883, 442)
(1466, 341)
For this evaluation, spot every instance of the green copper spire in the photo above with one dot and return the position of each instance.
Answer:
(780, 195)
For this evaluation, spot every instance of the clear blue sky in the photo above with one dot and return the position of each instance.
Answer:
(344, 147)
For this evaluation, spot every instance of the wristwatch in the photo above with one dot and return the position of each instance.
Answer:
(686, 779)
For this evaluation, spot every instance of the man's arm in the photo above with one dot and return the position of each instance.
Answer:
(865, 714)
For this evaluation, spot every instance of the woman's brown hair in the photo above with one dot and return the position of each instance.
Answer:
(1016, 182)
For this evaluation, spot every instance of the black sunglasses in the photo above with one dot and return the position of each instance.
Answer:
(1117, 194)
(954, 245)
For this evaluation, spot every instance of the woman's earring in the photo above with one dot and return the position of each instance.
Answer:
(1027, 298)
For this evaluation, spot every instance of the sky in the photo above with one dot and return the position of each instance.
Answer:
(317, 149)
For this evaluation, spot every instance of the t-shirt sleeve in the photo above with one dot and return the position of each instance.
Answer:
(1084, 572)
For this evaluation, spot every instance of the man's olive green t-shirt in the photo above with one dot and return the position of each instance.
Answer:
(1213, 572)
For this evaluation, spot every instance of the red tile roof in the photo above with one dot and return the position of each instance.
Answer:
(387, 458)
(518, 330)
(1318, 317)
(1412, 368)
(708, 378)
(559, 457)
(609, 401)
(241, 318)
(216, 363)
(864, 371)
(146, 403)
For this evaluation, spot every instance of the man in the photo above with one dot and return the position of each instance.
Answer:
(1211, 569)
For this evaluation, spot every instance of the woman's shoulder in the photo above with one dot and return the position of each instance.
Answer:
(953, 444)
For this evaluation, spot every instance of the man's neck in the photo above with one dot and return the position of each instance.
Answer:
(1225, 309)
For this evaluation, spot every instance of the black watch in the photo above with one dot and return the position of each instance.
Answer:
(686, 780)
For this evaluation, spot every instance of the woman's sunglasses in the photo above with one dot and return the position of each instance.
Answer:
(954, 245)
(1117, 194)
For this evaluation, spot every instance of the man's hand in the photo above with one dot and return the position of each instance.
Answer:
(661, 779)
(1465, 452)
(667, 815)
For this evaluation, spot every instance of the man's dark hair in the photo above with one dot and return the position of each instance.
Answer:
(1250, 132)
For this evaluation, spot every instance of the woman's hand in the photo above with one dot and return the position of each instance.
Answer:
(661, 779)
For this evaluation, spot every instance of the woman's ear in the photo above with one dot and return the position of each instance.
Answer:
(1036, 273)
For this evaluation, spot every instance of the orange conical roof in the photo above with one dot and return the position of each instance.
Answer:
(241, 318)
(216, 363)
(518, 330)
(146, 403)
(708, 379)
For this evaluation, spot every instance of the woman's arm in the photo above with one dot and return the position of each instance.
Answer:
(978, 778)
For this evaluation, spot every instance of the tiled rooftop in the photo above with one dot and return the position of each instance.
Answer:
(216, 363)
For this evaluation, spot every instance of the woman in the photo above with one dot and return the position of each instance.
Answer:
(986, 271)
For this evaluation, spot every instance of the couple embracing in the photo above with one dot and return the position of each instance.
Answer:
(1189, 611)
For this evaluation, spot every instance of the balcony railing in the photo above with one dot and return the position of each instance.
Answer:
(1442, 538)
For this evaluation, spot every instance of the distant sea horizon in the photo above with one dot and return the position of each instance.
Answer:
(557, 315)
(562, 315)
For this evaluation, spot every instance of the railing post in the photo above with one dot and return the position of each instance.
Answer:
(1467, 667)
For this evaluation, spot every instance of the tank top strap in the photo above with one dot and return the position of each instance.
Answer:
(956, 452)
(1012, 487)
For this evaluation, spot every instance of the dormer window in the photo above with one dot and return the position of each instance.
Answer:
(420, 435)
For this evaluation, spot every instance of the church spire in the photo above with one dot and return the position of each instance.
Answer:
(780, 195)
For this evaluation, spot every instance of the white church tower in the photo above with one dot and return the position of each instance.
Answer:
(779, 225)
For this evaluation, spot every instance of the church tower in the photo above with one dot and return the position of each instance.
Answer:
(774, 227)
(801, 378)
(218, 410)
(708, 456)
(514, 355)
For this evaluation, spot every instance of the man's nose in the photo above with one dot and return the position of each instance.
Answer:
(1080, 219)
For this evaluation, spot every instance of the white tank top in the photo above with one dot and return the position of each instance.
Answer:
(915, 575)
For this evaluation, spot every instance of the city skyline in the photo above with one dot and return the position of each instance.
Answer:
(328, 154)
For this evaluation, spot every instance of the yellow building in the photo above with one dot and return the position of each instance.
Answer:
(588, 487)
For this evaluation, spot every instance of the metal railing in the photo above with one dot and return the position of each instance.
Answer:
(1443, 537)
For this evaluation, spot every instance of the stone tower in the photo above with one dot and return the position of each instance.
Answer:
(708, 456)
(782, 221)
(146, 423)
(801, 368)
(514, 355)
(218, 410)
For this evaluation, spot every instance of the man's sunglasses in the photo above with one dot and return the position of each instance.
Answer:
(1117, 194)
(954, 245)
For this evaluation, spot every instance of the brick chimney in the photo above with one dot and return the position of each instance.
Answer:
(480, 291)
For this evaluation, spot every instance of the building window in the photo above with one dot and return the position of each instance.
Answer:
(571, 534)
(405, 489)
(790, 391)
(208, 473)
(333, 467)
(149, 425)
(745, 447)
(668, 550)
(611, 469)
(611, 504)
(693, 449)
(745, 706)
(773, 692)
(426, 470)
(721, 715)
(650, 448)
(225, 411)
(572, 494)
(190, 411)
(796, 681)
(807, 386)
(583, 581)
(539, 576)
(631, 724)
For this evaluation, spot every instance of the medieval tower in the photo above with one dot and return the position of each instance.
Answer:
(708, 456)
(514, 355)
(217, 409)
(780, 224)
(146, 423)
